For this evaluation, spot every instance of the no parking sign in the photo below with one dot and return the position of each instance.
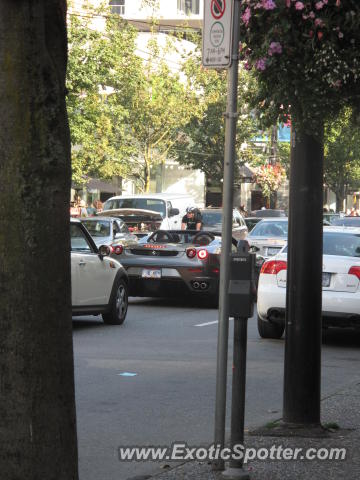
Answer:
(217, 33)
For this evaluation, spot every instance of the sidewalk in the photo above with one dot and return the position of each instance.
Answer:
(341, 409)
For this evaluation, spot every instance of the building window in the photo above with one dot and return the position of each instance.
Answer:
(117, 6)
(189, 7)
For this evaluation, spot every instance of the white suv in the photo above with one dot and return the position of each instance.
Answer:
(99, 284)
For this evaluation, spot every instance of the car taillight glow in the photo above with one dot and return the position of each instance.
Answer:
(117, 249)
(273, 267)
(202, 254)
(355, 271)
(191, 252)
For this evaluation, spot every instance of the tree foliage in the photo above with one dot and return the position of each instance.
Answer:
(201, 144)
(103, 76)
(305, 56)
(125, 111)
(342, 155)
(162, 106)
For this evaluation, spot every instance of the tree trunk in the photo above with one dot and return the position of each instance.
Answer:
(37, 408)
(147, 172)
(340, 197)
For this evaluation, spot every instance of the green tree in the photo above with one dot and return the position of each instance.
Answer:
(37, 406)
(162, 107)
(103, 76)
(201, 143)
(342, 155)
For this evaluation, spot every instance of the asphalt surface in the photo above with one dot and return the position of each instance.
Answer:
(171, 397)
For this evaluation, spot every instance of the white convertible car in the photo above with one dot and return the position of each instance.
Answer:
(341, 284)
(99, 283)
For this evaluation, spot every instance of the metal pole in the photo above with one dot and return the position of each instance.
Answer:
(235, 470)
(304, 285)
(228, 181)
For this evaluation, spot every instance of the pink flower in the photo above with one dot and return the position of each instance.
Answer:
(312, 15)
(288, 3)
(320, 35)
(246, 16)
(269, 4)
(299, 6)
(247, 65)
(338, 3)
(274, 47)
(319, 22)
(319, 5)
(340, 35)
(260, 64)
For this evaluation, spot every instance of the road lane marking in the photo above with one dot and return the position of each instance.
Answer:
(208, 323)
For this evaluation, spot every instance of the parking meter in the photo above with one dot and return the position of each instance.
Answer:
(241, 294)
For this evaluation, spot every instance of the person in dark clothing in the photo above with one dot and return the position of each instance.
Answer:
(192, 220)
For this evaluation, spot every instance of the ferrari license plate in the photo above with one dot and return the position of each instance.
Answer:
(150, 273)
(326, 279)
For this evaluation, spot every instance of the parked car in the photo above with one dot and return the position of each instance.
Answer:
(340, 284)
(347, 221)
(251, 222)
(108, 231)
(174, 263)
(269, 236)
(99, 283)
(146, 213)
(212, 222)
(330, 217)
(268, 212)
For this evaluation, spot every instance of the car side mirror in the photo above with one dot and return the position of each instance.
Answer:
(174, 211)
(254, 249)
(104, 251)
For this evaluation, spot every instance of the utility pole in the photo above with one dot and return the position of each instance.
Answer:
(304, 284)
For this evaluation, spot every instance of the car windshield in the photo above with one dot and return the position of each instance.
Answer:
(211, 218)
(340, 244)
(345, 245)
(347, 221)
(152, 204)
(251, 222)
(270, 229)
(98, 228)
(269, 213)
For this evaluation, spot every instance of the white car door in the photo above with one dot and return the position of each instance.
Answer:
(91, 277)
(174, 220)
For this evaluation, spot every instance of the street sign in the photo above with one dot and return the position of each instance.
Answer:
(217, 33)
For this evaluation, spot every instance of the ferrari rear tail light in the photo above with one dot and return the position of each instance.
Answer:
(273, 267)
(191, 252)
(202, 254)
(355, 271)
(117, 249)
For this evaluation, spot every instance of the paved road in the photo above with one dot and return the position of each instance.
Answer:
(172, 349)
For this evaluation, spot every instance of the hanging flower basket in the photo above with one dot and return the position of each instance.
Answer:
(306, 56)
(269, 178)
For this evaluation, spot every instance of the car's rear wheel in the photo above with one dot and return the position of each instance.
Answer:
(269, 330)
(119, 305)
